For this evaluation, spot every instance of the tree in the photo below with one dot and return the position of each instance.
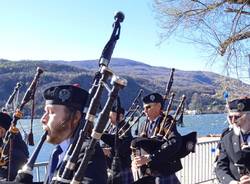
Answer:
(222, 27)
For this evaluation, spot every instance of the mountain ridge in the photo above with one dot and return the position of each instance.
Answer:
(203, 89)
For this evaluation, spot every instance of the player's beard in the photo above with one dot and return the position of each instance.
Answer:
(60, 132)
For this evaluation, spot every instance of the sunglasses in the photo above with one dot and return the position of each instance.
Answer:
(147, 107)
(236, 117)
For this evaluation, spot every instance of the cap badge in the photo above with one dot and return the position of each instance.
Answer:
(64, 95)
(152, 97)
(240, 106)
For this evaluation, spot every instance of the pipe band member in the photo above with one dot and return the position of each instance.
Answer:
(159, 161)
(64, 107)
(118, 148)
(233, 164)
(19, 150)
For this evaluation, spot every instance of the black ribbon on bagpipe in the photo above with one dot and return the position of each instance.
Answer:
(30, 139)
(9, 136)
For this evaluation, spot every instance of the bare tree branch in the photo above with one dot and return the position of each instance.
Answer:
(239, 1)
(221, 25)
(230, 10)
(231, 40)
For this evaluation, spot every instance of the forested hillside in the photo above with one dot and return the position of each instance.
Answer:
(203, 89)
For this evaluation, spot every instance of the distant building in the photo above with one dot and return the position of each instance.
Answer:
(192, 112)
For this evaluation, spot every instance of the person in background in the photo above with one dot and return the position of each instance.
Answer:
(118, 149)
(233, 164)
(64, 105)
(224, 132)
(161, 164)
(18, 154)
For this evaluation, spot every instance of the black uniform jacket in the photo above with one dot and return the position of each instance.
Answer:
(96, 172)
(165, 160)
(230, 153)
(19, 156)
(164, 156)
(123, 147)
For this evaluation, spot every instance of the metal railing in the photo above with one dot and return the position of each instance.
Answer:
(197, 167)
(39, 171)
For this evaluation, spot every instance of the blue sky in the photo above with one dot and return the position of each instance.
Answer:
(78, 30)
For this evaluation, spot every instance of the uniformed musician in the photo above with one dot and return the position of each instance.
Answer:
(233, 162)
(161, 162)
(18, 153)
(121, 146)
(63, 112)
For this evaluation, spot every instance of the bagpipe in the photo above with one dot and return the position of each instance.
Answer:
(137, 109)
(143, 145)
(25, 174)
(151, 144)
(124, 126)
(117, 83)
(133, 115)
(13, 99)
(13, 130)
(243, 164)
(10, 106)
(120, 139)
(68, 171)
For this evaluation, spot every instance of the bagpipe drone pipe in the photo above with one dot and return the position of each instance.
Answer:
(13, 130)
(68, 166)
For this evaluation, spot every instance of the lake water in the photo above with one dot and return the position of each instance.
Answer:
(202, 124)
